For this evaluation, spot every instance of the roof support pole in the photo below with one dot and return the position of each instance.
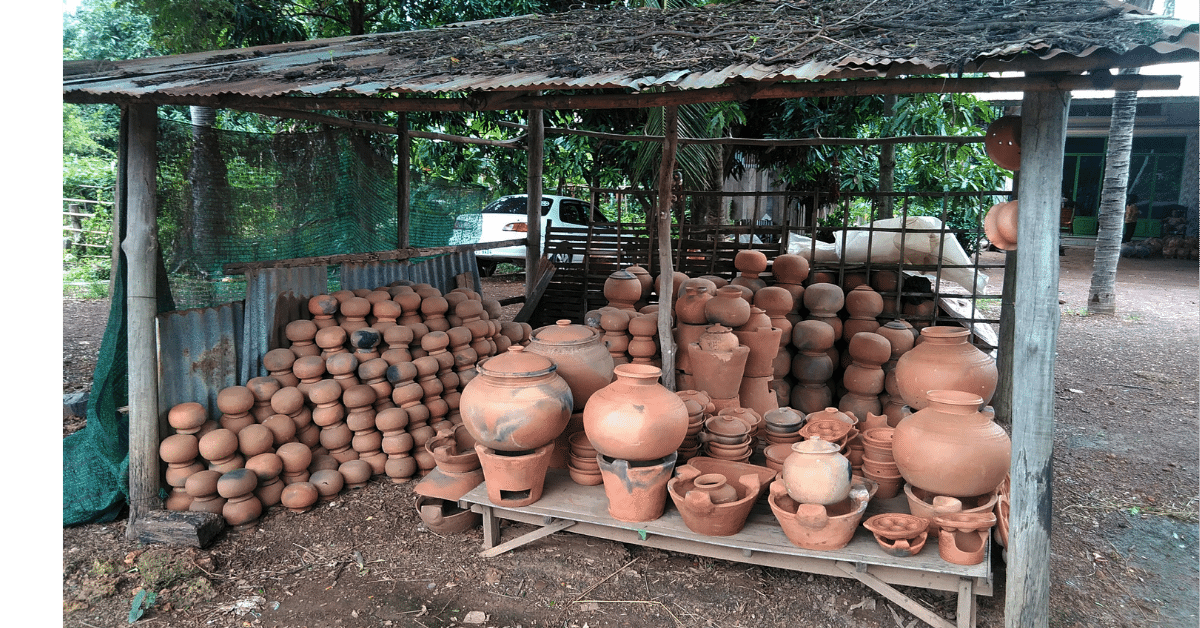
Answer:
(1035, 305)
(403, 156)
(666, 269)
(533, 219)
(141, 253)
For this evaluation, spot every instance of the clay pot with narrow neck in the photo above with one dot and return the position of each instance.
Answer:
(728, 308)
(635, 417)
(689, 308)
(816, 473)
(579, 356)
(944, 360)
(951, 447)
(517, 402)
(623, 290)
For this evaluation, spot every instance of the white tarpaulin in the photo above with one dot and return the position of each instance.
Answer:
(883, 247)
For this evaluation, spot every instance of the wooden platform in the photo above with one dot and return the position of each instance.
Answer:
(565, 505)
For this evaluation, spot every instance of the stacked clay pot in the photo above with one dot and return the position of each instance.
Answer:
(583, 466)
(289, 425)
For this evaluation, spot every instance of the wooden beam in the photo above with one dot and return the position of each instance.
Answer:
(533, 207)
(1035, 305)
(498, 101)
(545, 272)
(403, 165)
(358, 258)
(666, 269)
(515, 143)
(141, 253)
(747, 141)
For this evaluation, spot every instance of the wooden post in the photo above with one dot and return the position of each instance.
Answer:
(1001, 401)
(1035, 305)
(533, 217)
(666, 270)
(141, 252)
(403, 158)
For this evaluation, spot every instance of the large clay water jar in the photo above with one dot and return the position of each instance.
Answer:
(951, 447)
(517, 403)
(635, 417)
(944, 360)
(580, 355)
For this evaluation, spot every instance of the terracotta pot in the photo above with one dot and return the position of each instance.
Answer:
(623, 290)
(635, 417)
(710, 504)
(579, 355)
(299, 497)
(951, 447)
(517, 403)
(242, 508)
(816, 473)
(944, 360)
(815, 526)
(444, 516)
(1000, 225)
(898, 534)
(718, 372)
(1003, 142)
(963, 537)
(929, 506)
(514, 479)
(764, 347)
(728, 308)
(689, 308)
(636, 490)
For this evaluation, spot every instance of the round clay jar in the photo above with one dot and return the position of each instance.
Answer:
(816, 473)
(179, 448)
(944, 360)
(790, 268)
(579, 356)
(951, 447)
(329, 483)
(255, 439)
(635, 418)
(356, 473)
(517, 402)
(187, 418)
(299, 497)
(729, 307)
(219, 444)
(283, 429)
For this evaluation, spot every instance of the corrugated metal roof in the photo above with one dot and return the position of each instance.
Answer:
(701, 47)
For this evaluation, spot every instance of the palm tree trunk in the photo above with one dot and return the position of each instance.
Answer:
(1102, 295)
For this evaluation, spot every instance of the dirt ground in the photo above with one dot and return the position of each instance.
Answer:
(1124, 545)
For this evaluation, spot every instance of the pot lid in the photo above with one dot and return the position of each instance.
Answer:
(563, 332)
(516, 362)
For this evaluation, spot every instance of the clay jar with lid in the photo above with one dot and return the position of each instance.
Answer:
(816, 473)
(518, 402)
(951, 447)
(579, 356)
(623, 290)
(944, 360)
(635, 417)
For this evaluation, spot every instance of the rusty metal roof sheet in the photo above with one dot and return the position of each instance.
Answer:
(756, 41)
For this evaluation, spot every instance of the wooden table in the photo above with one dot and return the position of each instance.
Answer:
(565, 505)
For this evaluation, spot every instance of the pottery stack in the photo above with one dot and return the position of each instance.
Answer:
(699, 408)
(900, 336)
(458, 470)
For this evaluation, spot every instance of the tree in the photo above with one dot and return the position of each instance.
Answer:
(1102, 294)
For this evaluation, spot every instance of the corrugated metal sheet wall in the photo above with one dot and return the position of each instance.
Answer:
(438, 272)
(263, 288)
(198, 355)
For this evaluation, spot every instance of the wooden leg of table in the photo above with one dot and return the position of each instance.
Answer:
(890, 592)
(966, 603)
(491, 528)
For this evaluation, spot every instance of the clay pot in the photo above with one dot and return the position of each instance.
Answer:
(929, 506)
(816, 473)
(815, 526)
(187, 418)
(951, 447)
(644, 278)
(579, 355)
(202, 488)
(241, 508)
(728, 308)
(689, 308)
(898, 534)
(709, 504)
(299, 497)
(790, 268)
(623, 290)
(635, 417)
(1000, 225)
(329, 483)
(444, 516)
(517, 403)
(356, 473)
(963, 537)
(636, 489)
(944, 360)
(1003, 142)
(514, 479)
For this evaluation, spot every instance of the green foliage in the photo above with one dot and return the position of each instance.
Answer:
(102, 29)
(141, 603)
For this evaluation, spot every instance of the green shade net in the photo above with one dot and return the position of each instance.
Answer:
(233, 197)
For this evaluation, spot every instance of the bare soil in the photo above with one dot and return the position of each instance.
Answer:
(1124, 545)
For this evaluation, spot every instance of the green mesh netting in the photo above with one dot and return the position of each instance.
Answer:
(226, 197)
